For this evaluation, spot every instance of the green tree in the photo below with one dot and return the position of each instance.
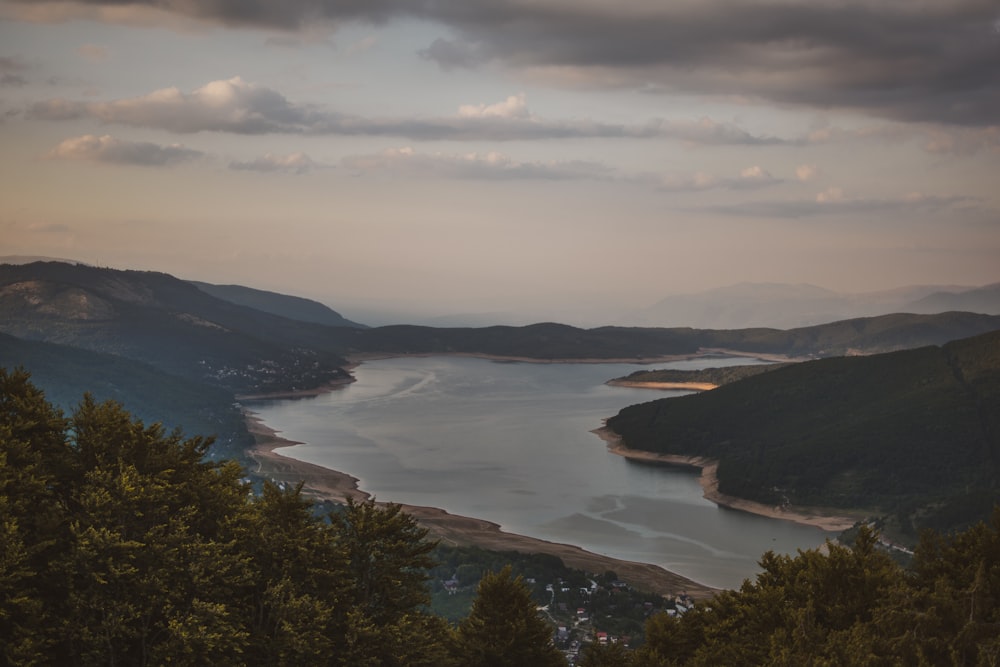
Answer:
(504, 628)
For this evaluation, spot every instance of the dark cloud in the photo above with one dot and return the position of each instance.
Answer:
(454, 54)
(912, 60)
(108, 149)
(240, 107)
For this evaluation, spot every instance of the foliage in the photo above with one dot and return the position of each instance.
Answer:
(504, 628)
(914, 433)
(842, 606)
(121, 544)
(65, 373)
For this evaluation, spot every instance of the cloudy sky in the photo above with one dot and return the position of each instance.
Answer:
(553, 157)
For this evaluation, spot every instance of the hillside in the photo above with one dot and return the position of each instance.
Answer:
(165, 322)
(914, 434)
(717, 376)
(291, 307)
(548, 341)
(65, 373)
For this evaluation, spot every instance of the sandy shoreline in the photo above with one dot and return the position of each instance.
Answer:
(326, 484)
(710, 487)
(688, 386)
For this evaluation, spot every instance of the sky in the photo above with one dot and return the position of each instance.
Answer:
(558, 159)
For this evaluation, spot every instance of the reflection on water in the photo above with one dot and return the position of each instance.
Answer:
(511, 443)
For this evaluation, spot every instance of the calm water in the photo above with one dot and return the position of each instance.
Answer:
(511, 443)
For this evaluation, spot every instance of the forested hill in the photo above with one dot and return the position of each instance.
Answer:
(914, 434)
(548, 341)
(66, 373)
(292, 307)
(166, 322)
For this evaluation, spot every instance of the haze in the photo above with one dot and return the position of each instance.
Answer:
(563, 160)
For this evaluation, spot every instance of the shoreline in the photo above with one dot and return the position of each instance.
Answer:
(361, 357)
(454, 529)
(687, 386)
(709, 482)
(326, 484)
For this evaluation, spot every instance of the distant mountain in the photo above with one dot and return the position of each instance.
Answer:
(31, 259)
(913, 434)
(549, 341)
(292, 307)
(784, 306)
(979, 300)
(166, 322)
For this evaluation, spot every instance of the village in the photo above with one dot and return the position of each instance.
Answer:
(581, 607)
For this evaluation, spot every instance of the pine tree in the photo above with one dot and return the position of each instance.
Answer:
(503, 628)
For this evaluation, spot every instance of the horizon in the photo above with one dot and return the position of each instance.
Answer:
(506, 158)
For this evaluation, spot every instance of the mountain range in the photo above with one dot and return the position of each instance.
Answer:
(785, 306)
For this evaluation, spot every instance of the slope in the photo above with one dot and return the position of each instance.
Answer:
(913, 433)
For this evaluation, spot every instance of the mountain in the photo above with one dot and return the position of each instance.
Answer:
(65, 373)
(550, 341)
(979, 300)
(166, 322)
(291, 307)
(913, 434)
(784, 306)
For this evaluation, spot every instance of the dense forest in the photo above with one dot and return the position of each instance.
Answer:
(120, 544)
(913, 434)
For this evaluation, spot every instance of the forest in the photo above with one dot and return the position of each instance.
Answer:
(913, 435)
(121, 544)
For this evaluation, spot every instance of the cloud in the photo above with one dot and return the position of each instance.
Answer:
(833, 201)
(513, 107)
(932, 60)
(806, 172)
(293, 163)
(109, 150)
(10, 72)
(477, 166)
(748, 179)
(93, 52)
(830, 195)
(240, 107)
(452, 54)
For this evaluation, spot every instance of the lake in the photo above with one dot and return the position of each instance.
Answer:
(512, 443)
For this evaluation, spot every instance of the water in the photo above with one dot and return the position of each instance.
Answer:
(511, 443)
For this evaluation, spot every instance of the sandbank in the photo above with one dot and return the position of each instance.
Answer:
(325, 484)
(688, 386)
(710, 487)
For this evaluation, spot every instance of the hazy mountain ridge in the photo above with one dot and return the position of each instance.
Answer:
(784, 306)
(284, 305)
(551, 341)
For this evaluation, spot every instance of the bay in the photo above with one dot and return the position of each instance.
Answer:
(512, 443)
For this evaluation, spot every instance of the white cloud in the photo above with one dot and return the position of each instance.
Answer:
(108, 149)
(490, 165)
(514, 106)
(749, 178)
(830, 195)
(294, 163)
(806, 172)
(241, 107)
